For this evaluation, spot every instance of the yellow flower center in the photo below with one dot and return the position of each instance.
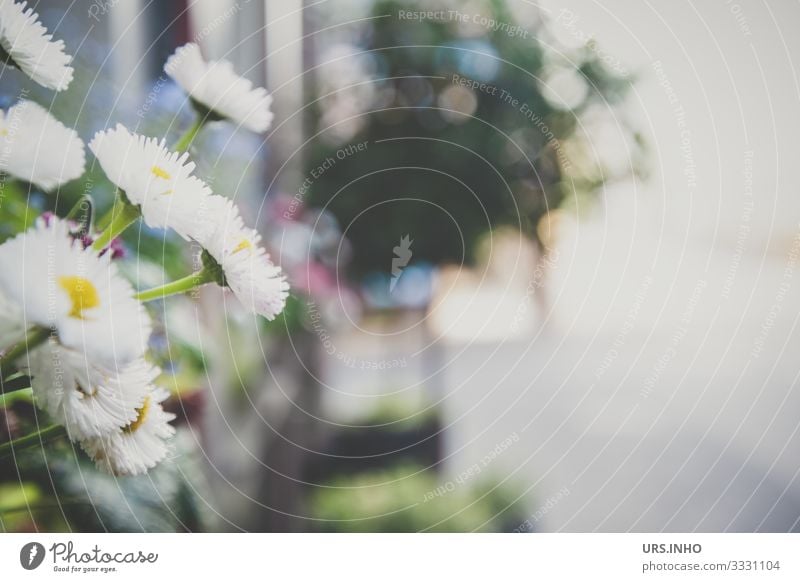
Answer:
(141, 414)
(244, 245)
(82, 293)
(159, 172)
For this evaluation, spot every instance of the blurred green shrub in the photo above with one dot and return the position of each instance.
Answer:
(404, 499)
(446, 161)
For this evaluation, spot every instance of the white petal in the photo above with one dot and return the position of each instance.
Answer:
(257, 283)
(160, 182)
(37, 148)
(12, 325)
(134, 452)
(33, 50)
(89, 400)
(36, 265)
(215, 85)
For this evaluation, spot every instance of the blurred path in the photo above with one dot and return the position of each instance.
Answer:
(659, 391)
(662, 394)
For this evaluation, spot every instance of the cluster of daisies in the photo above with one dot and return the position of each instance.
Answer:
(68, 318)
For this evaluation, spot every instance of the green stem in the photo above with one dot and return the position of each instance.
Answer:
(13, 203)
(122, 216)
(102, 223)
(9, 398)
(42, 506)
(185, 141)
(181, 285)
(35, 337)
(82, 206)
(14, 376)
(38, 438)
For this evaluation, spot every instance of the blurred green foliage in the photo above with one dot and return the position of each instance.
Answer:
(394, 500)
(443, 162)
(59, 489)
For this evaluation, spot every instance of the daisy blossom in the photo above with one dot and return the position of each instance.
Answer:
(85, 301)
(25, 44)
(12, 325)
(89, 400)
(37, 148)
(246, 267)
(218, 90)
(156, 180)
(140, 446)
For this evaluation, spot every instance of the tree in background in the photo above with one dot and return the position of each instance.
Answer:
(469, 121)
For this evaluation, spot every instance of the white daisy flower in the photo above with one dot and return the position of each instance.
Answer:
(156, 180)
(37, 148)
(81, 296)
(140, 446)
(247, 269)
(25, 44)
(89, 400)
(12, 325)
(216, 88)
